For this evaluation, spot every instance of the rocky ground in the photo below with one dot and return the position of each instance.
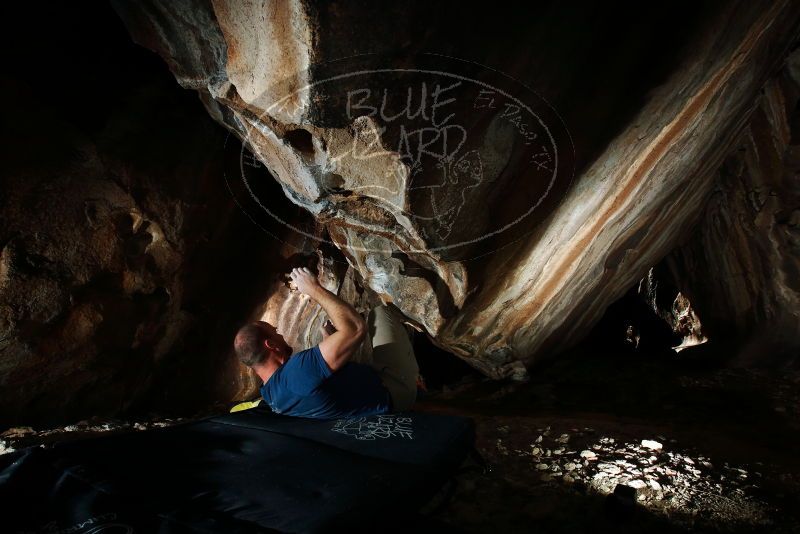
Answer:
(630, 444)
(592, 444)
(15, 438)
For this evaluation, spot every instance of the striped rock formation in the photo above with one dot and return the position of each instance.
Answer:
(462, 230)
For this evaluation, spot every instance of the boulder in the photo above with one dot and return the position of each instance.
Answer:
(501, 208)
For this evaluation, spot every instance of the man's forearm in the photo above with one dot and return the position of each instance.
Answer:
(343, 316)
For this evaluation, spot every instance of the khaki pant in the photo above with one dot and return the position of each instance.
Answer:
(393, 356)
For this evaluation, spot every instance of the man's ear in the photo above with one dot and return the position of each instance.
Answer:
(269, 344)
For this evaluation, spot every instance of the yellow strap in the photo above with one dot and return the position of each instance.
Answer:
(245, 406)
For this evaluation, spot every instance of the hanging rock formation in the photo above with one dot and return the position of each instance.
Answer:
(462, 230)
(672, 306)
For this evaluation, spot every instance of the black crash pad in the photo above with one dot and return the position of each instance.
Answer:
(250, 471)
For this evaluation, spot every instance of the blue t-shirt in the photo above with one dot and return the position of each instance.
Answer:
(305, 386)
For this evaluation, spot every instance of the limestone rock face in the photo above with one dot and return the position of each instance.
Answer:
(503, 235)
(125, 265)
(740, 267)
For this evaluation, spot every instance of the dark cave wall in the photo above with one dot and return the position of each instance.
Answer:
(740, 266)
(125, 264)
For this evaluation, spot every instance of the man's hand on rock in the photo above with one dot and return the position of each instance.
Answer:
(304, 280)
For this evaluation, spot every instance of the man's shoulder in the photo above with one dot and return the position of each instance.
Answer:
(303, 371)
(310, 350)
(308, 357)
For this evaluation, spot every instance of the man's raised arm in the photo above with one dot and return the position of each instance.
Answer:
(350, 327)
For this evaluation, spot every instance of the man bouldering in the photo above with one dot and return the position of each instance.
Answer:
(321, 382)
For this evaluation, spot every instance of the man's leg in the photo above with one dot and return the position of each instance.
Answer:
(393, 356)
